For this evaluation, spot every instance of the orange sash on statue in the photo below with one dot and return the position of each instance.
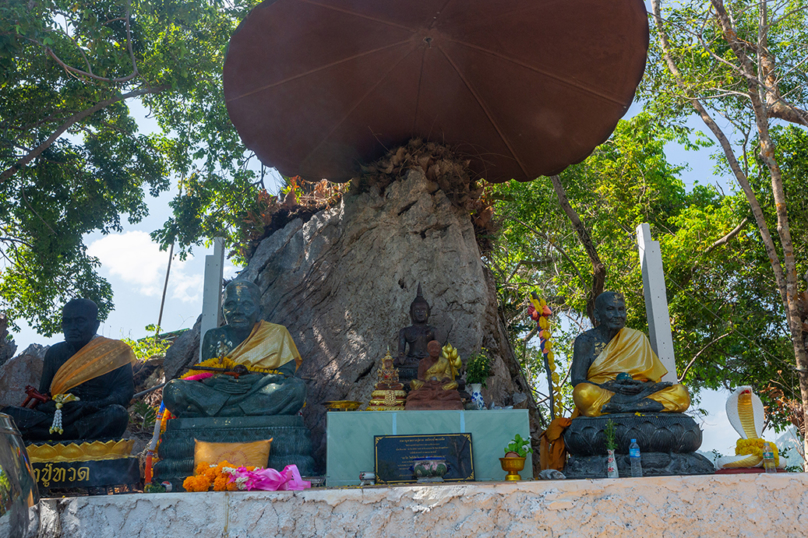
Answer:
(100, 356)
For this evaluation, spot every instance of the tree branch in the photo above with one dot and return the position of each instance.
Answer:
(727, 238)
(598, 269)
(555, 245)
(743, 181)
(702, 350)
(33, 154)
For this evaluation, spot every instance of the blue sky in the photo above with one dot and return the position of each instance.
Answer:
(135, 267)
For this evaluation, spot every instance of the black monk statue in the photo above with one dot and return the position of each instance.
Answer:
(94, 370)
(614, 369)
(265, 350)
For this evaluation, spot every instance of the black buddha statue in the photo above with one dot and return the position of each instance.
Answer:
(94, 370)
(414, 340)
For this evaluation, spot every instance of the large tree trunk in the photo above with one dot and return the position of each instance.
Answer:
(342, 283)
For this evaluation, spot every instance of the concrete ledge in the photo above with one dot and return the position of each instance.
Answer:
(721, 505)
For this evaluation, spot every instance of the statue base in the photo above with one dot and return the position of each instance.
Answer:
(291, 443)
(653, 464)
(89, 467)
(667, 441)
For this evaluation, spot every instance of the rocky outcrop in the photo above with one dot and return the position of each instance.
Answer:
(7, 345)
(183, 352)
(24, 369)
(342, 283)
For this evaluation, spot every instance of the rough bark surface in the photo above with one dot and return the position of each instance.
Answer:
(342, 283)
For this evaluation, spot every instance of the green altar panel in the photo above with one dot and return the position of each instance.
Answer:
(350, 438)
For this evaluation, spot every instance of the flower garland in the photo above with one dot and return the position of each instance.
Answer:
(216, 476)
(227, 477)
(540, 313)
(60, 400)
(755, 447)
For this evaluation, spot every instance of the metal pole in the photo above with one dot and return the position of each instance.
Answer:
(165, 289)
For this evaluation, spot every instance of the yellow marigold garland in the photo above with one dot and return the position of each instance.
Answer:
(755, 447)
(216, 476)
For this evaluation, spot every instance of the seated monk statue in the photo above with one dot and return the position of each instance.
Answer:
(614, 369)
(435, 387)
(97, 371)
(269, 387)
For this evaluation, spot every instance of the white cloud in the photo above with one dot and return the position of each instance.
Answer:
(137, 261)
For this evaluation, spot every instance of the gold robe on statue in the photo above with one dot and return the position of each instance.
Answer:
(629, 351)
(269, 346)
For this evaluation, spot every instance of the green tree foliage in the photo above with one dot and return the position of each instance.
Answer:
(726, 313)
(148, 347)
(71, 159)
(745, 62)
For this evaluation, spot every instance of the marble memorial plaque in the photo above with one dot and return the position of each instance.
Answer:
(394, 456)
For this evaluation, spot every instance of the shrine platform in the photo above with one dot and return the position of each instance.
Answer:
(720, 505)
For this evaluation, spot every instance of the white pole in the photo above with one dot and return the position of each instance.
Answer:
(212, 290)
(656, 300)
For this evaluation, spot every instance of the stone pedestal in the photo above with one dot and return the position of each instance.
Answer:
(667, 441)
(291, 443)
(351, 448)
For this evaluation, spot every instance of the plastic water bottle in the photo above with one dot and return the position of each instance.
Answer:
(768, 459)
(634, 457)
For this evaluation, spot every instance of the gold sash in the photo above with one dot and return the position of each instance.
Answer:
(629, 351)
(268, 346)
(100, 356)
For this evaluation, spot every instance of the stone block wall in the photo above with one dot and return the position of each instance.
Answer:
(694, 506)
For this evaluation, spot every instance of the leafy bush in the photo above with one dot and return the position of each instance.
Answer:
(520, 446)
(478, 368)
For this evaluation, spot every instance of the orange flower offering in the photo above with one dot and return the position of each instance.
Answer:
(207, 476)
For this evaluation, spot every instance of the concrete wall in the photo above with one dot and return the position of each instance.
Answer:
(715, 506)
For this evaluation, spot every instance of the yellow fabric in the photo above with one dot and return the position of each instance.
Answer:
(552, 450)
(268, 346)
(629, 351)
(255, 454)
(100, 356)
(590, 399)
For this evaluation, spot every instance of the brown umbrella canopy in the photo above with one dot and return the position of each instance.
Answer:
(524, 88)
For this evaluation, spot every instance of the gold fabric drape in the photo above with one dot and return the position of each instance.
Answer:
(100, 356)
(268, 346)
(629, 351)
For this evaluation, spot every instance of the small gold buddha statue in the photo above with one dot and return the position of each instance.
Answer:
(388, 394)
(435, 387)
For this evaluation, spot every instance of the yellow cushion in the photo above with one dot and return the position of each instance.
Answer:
(240, 454)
